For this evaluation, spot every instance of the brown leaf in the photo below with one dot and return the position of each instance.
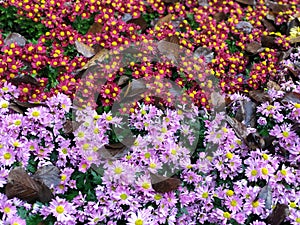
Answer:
(100, 56)
(266, 194)
(253, 47)
(248, 113)
(278, 215)
(95, 28)
(133, 91)
(123, 80)
(15, 38)
(268, 41)
(260, 96)
(273, 85)
(207, 53)
(219, 16)
(22, 186)
(291, 24)
(291, 97)
(48, 175)
(84, 49)
(247, 2)
(295, 40)
(254, 141)
(113, 151)
(139, 21)
(26, 79)
(26, 105)
(170, 1)
(162, 184)
(70, 126)
(239, 128)
(13, 106)
(165, 19)
(275, 7)
(172, 39)
(170, 50)
(268, 25)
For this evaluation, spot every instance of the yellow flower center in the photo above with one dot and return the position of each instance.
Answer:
(35, 113)
(229, 193)
(109, 118)
(123, 196)
(285, 134)
(146, 185)
(255, 204)
(297, 105)
(283, 172)
(7, 155)
(60, 209)
(7, 210)
(229, 155)
(139, 222)
(298, 220)
(265, 171)
(233, 203)
(118, 170)
(147, 155)
(226, 215)
(157, 197)
(265, 156)
(205, 195)
(254, 172)
(293, 204)
(269, 107)
(17, 122)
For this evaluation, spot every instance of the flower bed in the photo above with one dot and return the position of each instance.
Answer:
(149, 112)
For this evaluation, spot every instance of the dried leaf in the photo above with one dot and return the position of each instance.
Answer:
(275, 7)
(268, 25)
(84, 49)
(254, 141)
(260, 96)
(218, 101)
(291, 24)
(248, 109)
(170, 1)
(295, 40)
(291, 97)
(13, 106)
(239, 128)
(266, 194)
(206, 52)
(244, 26)
(95, 28)
(278, 215)
(219, 16)
(253, 47)
(134, 90)
(247, 2)
(100, 56)
(172, 39)
(22, 186)
(273, 85)
(165, 19)
(170, 50)
(113, 151)
(26, 79)
(139, 21)
(268, 41)
(123, 80)
(15, 38)
(48, 175)
(162, 184)
(26, 105)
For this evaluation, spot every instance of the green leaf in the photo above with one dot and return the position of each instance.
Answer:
(34, 219)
